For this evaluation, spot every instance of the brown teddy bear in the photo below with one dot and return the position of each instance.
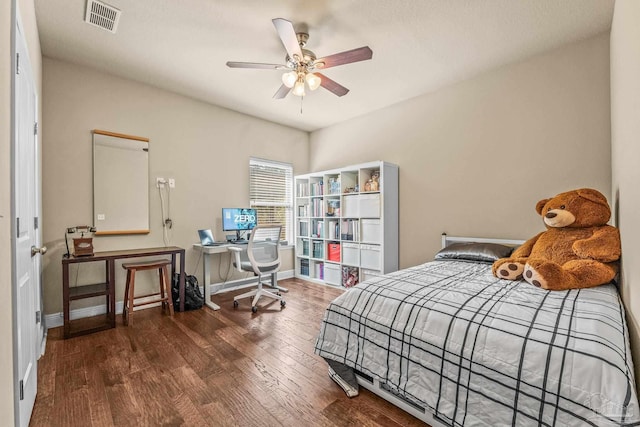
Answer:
(578, 250)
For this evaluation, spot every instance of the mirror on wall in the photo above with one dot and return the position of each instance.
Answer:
(120, 183)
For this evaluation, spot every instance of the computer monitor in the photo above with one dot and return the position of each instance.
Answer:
(238, 220)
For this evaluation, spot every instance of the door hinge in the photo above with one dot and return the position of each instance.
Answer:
(35, 128)
(35, 222)
(17, 227)
(21, 390)
(38, 316)
(17, 63)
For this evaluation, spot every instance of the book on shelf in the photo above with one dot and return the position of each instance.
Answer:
(318, 229)
(319, 271)
(303, 190)
(350, 230)
(303, 228)
(316, 206)
(334, 229)
(316, 188)
(304, 267)
(317, 248)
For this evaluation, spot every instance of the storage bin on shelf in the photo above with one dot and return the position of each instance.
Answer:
(370, 257)
(371, 231)
(332, 274)
(351, 254)
(369, 205)
(366, 274)
(350, 205)
(333, 251)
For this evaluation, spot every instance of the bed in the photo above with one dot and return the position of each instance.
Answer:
(454, 346)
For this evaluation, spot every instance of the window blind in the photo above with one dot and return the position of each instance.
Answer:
(271, 192)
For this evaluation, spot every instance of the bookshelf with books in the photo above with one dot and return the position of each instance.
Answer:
(347, 223)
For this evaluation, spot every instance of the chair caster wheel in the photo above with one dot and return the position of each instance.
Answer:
(283, 303)
(235, 304)
(254, 309)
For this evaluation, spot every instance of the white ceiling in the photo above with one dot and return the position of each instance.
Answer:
(418, 46)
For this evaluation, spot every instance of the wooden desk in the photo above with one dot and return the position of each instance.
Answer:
(108, 287)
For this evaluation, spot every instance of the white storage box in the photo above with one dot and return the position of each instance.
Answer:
(370, 257)
(366, 274)
(370, 205)
(332, 274)
(371, 231)
(351, 254)
(350, 206)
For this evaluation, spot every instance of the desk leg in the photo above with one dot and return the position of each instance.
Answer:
(206, 273)
(65, 298)
(111, 276)
(182, 279)
(181, 276)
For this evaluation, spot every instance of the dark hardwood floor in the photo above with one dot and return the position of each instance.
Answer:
(205, 368)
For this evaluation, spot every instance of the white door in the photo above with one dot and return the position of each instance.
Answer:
(27, 240)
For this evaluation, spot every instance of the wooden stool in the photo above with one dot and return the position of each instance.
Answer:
(129, 290)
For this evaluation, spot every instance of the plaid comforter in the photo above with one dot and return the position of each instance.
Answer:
(477, 350)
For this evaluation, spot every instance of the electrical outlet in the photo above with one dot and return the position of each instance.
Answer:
(172, 183)
(160, 182)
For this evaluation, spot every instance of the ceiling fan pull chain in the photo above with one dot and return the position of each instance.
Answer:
(301, 99)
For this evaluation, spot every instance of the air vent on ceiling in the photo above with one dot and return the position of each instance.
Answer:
(102, 15)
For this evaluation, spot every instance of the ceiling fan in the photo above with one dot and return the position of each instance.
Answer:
(302, 65)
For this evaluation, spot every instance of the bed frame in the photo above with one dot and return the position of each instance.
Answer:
(378, 388)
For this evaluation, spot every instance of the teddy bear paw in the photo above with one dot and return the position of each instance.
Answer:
(533, 277)
(510, 271)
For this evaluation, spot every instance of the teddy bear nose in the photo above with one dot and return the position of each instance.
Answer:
(551, 215)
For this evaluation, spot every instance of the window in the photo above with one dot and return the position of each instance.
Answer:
(270, 192)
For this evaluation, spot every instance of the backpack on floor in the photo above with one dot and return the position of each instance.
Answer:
(193, 298)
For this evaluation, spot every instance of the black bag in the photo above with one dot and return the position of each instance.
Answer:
(193, 298)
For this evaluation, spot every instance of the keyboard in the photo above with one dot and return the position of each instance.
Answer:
(240, 242)
(215, 244)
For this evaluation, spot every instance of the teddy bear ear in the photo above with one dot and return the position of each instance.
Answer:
(540, 205)
(593, 195)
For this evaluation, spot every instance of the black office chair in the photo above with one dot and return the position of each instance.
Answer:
(263, 257)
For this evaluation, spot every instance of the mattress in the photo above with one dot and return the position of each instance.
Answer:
(480, 351)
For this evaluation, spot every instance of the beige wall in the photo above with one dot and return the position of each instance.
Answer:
(475, 157)
(205, 148)
(28, 19)
(625, 154)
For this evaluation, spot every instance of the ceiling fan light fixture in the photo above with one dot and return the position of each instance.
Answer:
(298, 88)
(289, 79)
(313, 81)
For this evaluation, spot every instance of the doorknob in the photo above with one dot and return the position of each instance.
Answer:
(41, 251)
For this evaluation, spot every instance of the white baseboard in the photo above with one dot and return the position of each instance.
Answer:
(55, 320)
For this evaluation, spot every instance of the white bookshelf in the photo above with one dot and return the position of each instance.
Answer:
(346, 229)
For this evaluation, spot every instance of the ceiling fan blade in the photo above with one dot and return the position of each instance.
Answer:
(346, 57)
(332, 86)
(232, 64)
(288, 36)
(282, 92)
